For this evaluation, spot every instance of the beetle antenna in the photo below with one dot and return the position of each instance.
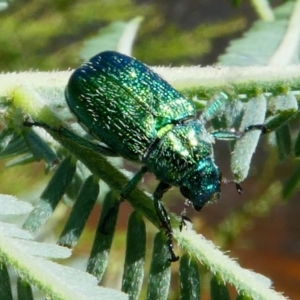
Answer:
(237, 184)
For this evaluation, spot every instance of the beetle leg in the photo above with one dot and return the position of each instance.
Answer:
(129, 187)
(232, 134)
(214, 107)
(102, 149)
(237, 185)
(227, 134)
(261, 127)
(163, 216)
(106, 151)
(133, 182)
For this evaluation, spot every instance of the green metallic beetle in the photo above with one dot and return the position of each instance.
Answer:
(140, 117)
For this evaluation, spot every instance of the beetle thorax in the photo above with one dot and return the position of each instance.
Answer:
(179, 151)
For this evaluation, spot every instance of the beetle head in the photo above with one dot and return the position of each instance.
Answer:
(203, 184)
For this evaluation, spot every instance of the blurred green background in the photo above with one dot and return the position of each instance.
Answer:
(48, 35)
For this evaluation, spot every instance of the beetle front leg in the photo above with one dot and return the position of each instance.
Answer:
(230, 135)
(214, 107)
(261, 127)
(163, 216)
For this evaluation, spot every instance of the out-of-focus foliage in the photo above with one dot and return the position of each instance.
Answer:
(48, 34)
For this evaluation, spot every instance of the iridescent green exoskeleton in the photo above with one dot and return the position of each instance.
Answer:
(140, 117)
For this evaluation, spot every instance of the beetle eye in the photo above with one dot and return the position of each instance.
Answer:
(185, 192)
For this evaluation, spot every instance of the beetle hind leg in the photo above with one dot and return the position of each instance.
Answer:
(64, 132)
